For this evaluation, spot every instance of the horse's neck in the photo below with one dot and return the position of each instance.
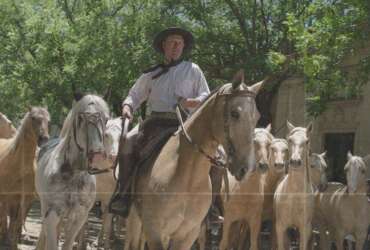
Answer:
(272, 179)
(253, 181)
(361, 187)
(25, 141)
(199, 130)
(70, 151)
(298, 179)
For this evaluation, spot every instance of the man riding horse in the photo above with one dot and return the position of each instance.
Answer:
(163, 87)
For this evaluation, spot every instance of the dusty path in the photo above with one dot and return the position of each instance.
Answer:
(33, 226)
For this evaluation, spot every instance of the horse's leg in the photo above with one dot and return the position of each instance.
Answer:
(186, 242)
(254, 229)
(20, 210)
(134, 234)
(51, 223)
(73, 226)
(41, 240)
(225, 233)
(360, 240)
(81, 239)
(15, 225)
(154, 240)
(106, 230)
(202, 239)
(305, 232)
(280, 236)
(339, 239)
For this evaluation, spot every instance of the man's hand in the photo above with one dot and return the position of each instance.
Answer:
(127, 112)
(189, 102)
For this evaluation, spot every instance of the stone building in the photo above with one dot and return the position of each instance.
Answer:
(343, 126)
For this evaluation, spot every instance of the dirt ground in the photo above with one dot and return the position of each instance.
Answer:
(33, 226)
(32, 229)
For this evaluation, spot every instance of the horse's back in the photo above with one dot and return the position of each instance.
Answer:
(48, 147)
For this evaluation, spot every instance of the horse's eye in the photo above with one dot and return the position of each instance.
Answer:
(235, 114)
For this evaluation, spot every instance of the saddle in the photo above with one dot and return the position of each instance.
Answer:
(153, 135)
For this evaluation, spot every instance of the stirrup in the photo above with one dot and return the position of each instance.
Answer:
(120, 205)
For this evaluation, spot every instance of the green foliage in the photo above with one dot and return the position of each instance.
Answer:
(325, 36)
(46, 46)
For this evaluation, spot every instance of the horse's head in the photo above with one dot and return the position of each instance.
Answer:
(299, 144)
(262, 140)
(278, 155)
(355, 170)
(40, 119)
(89, 118)
(237, 116)
(7, 129)
(318, 170)
(111, 139)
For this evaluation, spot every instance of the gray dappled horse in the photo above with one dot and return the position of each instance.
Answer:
(63, 182)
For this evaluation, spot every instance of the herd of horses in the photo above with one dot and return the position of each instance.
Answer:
(267, 178)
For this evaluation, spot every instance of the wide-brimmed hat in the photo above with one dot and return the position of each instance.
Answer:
(161, 36)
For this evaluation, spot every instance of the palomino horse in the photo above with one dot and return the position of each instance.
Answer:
(278, 160)
(17, 166)
(106, 183)
(63, 179)
(345, 209)
(179, 195)
(7, 130)
(293, 199)
(246, 198)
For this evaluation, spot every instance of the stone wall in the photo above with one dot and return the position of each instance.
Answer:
(288, 104)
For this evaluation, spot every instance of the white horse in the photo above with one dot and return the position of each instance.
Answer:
(63, 180)
(344, 210)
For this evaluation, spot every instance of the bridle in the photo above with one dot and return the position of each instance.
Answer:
(95, 119)
(230, 150)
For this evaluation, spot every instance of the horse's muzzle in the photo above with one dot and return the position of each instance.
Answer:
(263, 167)
(96, 158)
(241, 173)
(42, 140)
(279, 166)
(295, 163)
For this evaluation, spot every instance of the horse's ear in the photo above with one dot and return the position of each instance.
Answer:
(309, 128)
(238, 79)
(255, 88)
(268, 128)
(76, 93)
(290, 126)
(349, 155)
(323, 154)
(77, 96)
(108, 93)
(367, 161)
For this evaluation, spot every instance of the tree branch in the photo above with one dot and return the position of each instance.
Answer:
(264, 22)
(241, 21)
(68, 12)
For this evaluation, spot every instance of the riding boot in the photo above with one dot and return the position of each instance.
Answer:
(121, 200)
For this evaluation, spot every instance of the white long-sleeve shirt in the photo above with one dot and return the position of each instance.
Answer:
(185, 80)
